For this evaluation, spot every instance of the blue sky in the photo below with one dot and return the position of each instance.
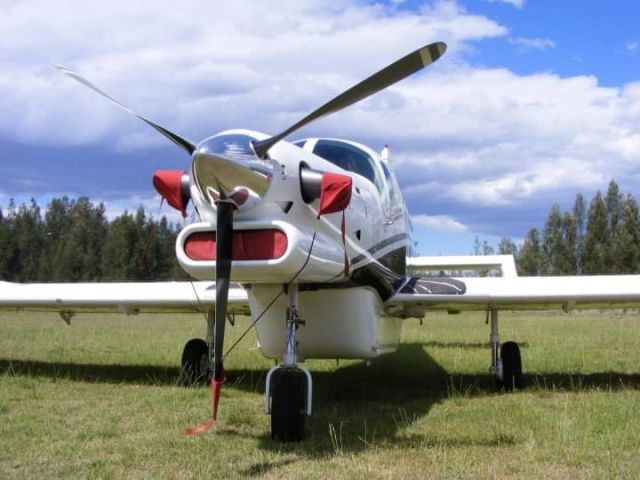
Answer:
(534, 101)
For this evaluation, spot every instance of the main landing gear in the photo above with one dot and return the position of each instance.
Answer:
(289, 388)
(506, 363)
(197, 356)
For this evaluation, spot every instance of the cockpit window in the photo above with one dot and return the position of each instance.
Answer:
(348, 157)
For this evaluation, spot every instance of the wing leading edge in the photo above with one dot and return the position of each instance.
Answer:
(519, 293)
(118, 297)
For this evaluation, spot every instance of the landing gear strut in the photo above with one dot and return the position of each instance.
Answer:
(506, 363)
(289, 387)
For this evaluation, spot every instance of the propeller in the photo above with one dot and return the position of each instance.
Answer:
(380, 80)
(175, 138)
(224, 242)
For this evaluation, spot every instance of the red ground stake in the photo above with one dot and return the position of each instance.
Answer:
(215, 398)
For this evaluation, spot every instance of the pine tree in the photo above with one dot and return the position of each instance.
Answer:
(597, 238)
(477, 246)
(57, 222)
(507, 247)
(120, 251)
(579, 214)
(81, 244)
(28, 233)
(530, 260)
(553, 243)
(614, 202)
(569, 263)
(487, 249)
(7, 248)
(627, 247)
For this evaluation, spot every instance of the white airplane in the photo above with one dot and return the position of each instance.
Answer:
(316, 239)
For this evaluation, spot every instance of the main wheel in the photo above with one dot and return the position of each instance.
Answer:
(511, 366)
(194, 362)
(287, 405)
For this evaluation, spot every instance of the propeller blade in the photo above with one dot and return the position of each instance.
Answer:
(177, 139)
(224, 241)
(389, 75)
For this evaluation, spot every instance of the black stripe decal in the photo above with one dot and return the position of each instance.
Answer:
(379, 246)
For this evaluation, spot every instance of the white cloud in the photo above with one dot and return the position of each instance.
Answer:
(490, 137)
(254, 64)
(439, 222)
(632, 46)
(465, 139)
(515, 3)
(532, 43)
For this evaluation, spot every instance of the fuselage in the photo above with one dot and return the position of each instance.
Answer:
(342, 307)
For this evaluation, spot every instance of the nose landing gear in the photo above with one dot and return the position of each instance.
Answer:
(289, 387)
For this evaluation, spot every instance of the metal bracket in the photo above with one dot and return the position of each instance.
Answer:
(494, 339)
(267, 391)
(290, 357)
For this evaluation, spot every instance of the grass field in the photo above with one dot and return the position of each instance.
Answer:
(100, 399)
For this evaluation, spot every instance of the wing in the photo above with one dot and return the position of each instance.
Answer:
(505, 263)
(419, 294)
(118, 297)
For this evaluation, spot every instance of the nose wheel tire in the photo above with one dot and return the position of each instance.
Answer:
(194, 364)
(511, 366)
(287, 406)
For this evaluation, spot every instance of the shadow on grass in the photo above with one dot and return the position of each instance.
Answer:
(356, 407)
(89, 372)
(466, 345)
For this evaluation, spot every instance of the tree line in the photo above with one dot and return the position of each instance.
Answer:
(601, 239)
(74, 242)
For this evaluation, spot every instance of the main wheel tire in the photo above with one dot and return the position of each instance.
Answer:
(194, 362)
(511, 366)
(287, 405)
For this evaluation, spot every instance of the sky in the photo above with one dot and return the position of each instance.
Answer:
(534, 101)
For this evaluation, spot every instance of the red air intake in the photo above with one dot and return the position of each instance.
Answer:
(266, 244)
(173, 186)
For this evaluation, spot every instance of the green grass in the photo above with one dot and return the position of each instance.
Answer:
(100, 399)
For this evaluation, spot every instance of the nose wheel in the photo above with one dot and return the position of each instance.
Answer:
(288, 405)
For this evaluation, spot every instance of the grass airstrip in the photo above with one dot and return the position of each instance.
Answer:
(101, 399)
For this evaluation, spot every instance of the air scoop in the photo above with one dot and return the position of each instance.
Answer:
(225, 167)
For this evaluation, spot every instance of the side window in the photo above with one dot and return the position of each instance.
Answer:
(350, 158)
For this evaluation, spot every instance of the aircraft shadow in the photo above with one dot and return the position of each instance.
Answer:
(356, 406)
(466, 345)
